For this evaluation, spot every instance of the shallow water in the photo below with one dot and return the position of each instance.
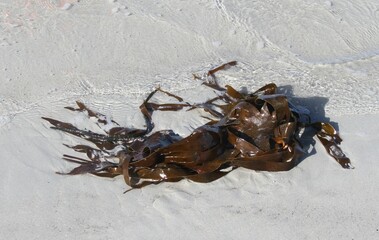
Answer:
(112, 54)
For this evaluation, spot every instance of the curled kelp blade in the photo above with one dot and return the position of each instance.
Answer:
(210, 79)
(330, 139)
(257, 131)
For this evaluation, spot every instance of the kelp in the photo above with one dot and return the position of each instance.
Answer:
(259, 131)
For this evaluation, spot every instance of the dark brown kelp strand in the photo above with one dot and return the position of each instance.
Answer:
(258, 131)
(330, 139)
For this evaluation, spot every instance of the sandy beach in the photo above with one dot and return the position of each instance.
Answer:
(110, 54)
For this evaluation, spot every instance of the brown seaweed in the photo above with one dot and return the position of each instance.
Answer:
(259, 131)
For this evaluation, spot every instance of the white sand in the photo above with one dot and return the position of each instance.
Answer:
(111, 54)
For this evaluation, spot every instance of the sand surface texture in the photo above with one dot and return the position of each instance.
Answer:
(109, 54)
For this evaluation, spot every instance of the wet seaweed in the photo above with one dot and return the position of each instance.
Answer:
(259, 131)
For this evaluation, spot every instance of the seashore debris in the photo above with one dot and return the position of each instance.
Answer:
(259, 131)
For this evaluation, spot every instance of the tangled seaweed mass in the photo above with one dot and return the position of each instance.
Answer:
(258, 131)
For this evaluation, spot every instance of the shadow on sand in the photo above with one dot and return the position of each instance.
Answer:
(316, 107)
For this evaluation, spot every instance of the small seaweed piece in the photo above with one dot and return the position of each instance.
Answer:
(258, 131)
